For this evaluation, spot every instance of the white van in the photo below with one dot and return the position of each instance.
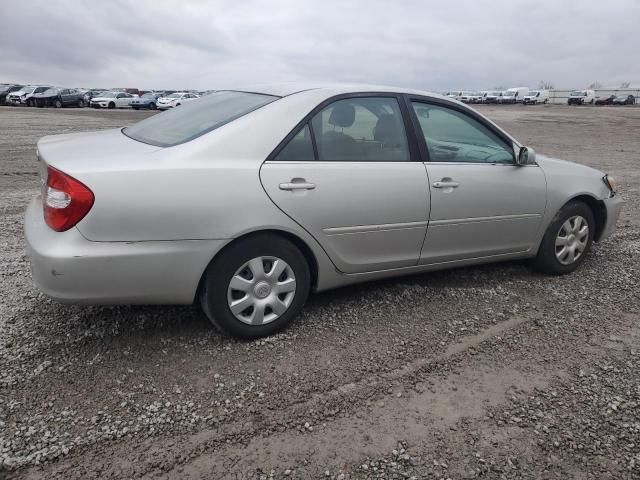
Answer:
(535, 97)
(492, 97)
(514, 95)
(582, 97)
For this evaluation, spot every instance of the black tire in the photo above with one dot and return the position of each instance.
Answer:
(81, 103)
(111, 106)
(152, 106)
(546, 260)
(215, 285)
(135, 108)
(57, 103)
(178, 104)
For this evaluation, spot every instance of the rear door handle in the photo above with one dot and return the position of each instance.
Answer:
(297, 186)
(446, 184)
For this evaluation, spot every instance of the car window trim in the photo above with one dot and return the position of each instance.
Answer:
(412, 141)
(424, 151)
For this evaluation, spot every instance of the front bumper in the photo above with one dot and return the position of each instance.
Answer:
(164, 106)
(71, 269)
(613, 206)
(100, 104)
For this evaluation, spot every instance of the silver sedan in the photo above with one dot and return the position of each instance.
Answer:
(245, 201)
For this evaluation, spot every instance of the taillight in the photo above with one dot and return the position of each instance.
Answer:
(65, 200)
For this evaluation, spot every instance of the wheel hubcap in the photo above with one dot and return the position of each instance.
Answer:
(572, 240)
(261, 290)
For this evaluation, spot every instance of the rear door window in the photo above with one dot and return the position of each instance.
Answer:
(361, 129)
(299, 148)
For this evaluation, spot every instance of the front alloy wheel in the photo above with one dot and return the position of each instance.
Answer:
(572, 240)
(567, 239)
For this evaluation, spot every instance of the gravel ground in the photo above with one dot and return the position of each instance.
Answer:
(488, 372)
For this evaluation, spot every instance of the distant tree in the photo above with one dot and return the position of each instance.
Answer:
(545, 85)
(595, 85)
(625, 84)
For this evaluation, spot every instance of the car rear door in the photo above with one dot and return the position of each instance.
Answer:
(482, 203)
(350, 175)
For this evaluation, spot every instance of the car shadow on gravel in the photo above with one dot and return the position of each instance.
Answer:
(109, 325)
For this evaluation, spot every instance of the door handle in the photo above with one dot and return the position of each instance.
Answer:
(446, 184)
(297, 186)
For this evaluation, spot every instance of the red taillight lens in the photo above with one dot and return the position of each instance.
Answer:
(65, 200)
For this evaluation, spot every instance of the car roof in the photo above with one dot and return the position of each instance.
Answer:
(331, 89)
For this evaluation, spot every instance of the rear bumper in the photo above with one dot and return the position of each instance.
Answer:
(71, 269)
(613, 206)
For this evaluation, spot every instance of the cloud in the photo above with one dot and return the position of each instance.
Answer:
(431, 45)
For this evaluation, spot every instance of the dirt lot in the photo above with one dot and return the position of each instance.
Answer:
(492, 372)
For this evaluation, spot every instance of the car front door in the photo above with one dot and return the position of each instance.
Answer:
(64, 97)
(351, 177)
(122, 100)
(482, 203)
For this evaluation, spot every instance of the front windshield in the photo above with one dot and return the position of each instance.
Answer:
(194, 119)
(533, 93)
(175, 95)
(107, 94)
(52, 91)
(578, 93)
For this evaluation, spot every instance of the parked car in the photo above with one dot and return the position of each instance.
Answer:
(112, 100)
(148, 100)
(581, 97)
(90, 94)
(605, 100)
(58, 98)
(514, 95)
(471, 97)
(252, 200)
(23, 96)
(493, 97)
(624, 100)
(175, 100)
(536, 96)
(6, 90)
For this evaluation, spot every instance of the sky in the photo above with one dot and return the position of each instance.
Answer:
(431, 44)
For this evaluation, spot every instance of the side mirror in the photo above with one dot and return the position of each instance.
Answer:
(526, 156)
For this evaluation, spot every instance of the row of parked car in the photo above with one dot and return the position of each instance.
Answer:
(511, 95)
(58, 97)
(533, 97)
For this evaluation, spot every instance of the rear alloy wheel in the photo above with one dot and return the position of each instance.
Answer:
(567, 240)
(81, 103)
(57, 103)
(256, 287)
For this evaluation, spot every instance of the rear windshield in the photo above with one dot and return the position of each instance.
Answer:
(196, 118)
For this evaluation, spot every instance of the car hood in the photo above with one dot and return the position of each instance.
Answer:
(102, 99)
(104, 151)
